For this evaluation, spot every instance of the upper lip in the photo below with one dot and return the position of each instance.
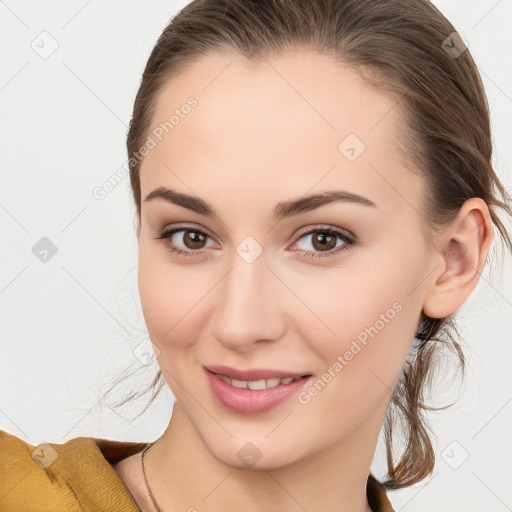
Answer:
(253, 374)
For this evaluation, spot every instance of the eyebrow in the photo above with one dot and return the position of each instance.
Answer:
(281, 210)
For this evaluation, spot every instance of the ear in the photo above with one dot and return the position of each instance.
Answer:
(460, 250)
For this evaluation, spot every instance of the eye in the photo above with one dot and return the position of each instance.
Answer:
(193, 240)
(325, 241)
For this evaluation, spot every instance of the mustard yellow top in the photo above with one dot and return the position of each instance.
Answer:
(78, 476)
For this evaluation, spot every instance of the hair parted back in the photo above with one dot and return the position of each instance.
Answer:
(444, 106)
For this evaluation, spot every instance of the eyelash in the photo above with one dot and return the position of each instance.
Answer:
(349, 241)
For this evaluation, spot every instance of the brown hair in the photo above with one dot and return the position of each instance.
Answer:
(442, 100)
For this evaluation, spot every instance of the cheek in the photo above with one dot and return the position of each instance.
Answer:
(362, 363)
(352, 304)
(170, 299)
(369, 315)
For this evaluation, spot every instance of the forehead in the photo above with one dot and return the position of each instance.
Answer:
(287, 120)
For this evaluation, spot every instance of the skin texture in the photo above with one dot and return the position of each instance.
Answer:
(260, 135)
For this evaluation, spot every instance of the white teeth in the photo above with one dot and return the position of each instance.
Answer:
(257, 384)
(241, 384)
(272, 383)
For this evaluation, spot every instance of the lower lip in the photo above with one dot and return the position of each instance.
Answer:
(249, 401)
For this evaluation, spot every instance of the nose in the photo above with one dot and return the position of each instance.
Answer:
(250, 305)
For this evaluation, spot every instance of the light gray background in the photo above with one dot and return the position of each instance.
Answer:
(72, 325)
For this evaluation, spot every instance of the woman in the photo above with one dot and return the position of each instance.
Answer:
(315, 200)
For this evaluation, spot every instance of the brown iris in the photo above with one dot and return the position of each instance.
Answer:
(193, 238)
(325, 241)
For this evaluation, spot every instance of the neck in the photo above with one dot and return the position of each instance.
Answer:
(184, 475)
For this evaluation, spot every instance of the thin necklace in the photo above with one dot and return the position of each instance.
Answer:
(146, 479)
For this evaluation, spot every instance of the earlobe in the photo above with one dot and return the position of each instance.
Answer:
(462, 250)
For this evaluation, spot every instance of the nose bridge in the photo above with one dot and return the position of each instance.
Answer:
(247, 303)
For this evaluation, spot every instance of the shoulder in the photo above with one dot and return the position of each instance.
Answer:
(27, 477)
(72, 476)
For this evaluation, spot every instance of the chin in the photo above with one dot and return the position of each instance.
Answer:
(258, 454)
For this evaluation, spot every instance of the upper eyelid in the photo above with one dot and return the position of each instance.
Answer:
(177, 229)
(308, 230)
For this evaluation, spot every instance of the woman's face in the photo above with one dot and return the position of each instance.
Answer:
(261, 284)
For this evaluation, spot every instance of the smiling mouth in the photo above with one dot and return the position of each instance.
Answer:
(252, 391)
